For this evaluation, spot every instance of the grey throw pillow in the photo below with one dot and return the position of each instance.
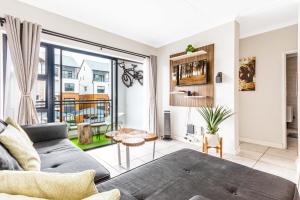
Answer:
(7, 161)
(3, 125)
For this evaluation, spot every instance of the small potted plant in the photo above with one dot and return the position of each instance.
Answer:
(189, 49)
(213, 118)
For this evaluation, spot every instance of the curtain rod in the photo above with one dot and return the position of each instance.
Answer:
(102, 46)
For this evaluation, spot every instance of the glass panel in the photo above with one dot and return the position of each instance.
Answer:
(82, 92)
(57, 81)
(42, 116)
(42, 61)
(40, 94)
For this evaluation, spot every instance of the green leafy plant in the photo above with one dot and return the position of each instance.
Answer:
(189, 48)
(214, 117)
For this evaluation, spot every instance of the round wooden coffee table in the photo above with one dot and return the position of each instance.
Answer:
(130, 138)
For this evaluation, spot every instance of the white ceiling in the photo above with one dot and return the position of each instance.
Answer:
(159, 22)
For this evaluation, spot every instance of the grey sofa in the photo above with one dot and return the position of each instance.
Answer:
(57, 153)
(188, 174)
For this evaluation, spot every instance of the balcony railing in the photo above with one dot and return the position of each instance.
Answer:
(76, 111)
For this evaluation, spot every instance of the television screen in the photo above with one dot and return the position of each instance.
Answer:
(194, 73)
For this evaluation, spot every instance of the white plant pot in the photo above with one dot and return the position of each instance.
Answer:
(189, 52)
(212, 140)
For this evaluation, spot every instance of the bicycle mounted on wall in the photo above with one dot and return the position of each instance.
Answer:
(131, 74)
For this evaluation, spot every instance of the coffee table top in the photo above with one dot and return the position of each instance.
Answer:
(111, 134)
(133, 141)
(131, 137)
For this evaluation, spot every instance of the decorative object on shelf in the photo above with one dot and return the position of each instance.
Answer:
(189, 49)
(213, 118)
(219, 77)
(247, 74)
(131, 74)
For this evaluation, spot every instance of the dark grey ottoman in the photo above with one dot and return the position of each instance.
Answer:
(187, 173)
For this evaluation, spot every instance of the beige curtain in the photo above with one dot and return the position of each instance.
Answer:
(153, 126)
(24, 44)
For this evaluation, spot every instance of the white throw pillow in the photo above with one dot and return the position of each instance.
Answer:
(54, 186)
(109, 195)
(20, 148)
(4, 196)
(17, 126)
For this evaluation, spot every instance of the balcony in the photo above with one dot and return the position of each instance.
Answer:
(95, 112)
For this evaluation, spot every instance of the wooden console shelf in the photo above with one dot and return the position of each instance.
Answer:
(203, 95)
(193, 97)
(177, 92)
(197, 53)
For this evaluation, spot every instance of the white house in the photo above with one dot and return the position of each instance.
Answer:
(94, 77)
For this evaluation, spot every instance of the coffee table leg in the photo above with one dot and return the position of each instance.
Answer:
(153, 150)
(119, 154)
(127, 158)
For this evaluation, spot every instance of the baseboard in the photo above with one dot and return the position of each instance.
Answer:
(260, 142)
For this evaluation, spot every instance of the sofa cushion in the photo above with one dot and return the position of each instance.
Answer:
(108, 195)
(7, 161)
(55, 186)
(4, 196)
(46, 132)
(15, 142)
(15, 124)
(62, 156)
(186, 173)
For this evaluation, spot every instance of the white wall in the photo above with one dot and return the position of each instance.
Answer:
(64, 25)
(132, 101)
(225, 38)
(261, 111)
(70, 27)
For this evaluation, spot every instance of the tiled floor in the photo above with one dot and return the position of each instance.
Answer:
(275, 161)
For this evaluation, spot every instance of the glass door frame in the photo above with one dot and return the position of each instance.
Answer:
(50, 68)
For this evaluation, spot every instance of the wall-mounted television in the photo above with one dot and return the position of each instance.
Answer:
(194, 73)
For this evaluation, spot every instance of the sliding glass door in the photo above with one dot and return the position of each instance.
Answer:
(76, 87)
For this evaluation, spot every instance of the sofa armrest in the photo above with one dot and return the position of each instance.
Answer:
(46, 132)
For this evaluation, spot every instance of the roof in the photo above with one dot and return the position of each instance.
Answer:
(67, 61)
(99, 66)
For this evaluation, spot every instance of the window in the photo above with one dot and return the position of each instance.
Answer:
(67, 74)
(69, 87)
(99, 77)
(100, 89)
(85, 88)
